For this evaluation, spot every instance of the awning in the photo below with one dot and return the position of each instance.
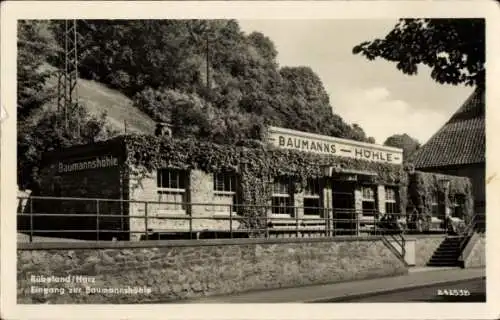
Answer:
(331, 171)
(356, 172)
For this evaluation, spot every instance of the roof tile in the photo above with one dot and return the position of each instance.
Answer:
(460, 141)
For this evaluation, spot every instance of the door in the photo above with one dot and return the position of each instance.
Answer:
(343, 208)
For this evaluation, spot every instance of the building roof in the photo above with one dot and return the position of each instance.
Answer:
(460, 141)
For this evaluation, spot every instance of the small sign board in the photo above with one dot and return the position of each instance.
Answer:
(99, 162)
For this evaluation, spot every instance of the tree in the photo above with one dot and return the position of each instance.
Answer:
(453, 48)
(264, 45)
(357, 133)
(405, 142)
(35, 45)
(198, 73)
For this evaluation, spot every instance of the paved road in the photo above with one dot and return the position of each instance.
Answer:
(363, 288)
(466, 291)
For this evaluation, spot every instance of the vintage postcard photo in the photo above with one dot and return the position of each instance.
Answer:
(314, 158)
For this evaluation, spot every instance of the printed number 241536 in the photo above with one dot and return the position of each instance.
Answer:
(453, 292)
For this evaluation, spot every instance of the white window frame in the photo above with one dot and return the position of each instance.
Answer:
(175, 191)
(279, 195)
(229, 194)
(435, 205)
(372, 198)
(311, 193)
(391, 200)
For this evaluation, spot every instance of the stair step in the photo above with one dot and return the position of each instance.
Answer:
(435, 257)
(445, 254)
(447, 251)
(450, 243)
(449, 256)
(443, 263)
(449, 247)
(443, 258)
(453, 262)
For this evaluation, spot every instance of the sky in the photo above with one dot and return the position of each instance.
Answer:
(373, 94)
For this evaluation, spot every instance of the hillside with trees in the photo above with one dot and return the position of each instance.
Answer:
(207, 78)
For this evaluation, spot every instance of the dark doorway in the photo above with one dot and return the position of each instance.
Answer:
(343, 208)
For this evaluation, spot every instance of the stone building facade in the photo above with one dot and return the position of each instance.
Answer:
(174, 200)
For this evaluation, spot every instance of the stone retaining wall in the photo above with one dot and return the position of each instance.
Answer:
(161, 271)
(425, 246)
(477, 257)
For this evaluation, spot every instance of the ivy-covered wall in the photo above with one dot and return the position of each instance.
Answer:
(256, 163)
(423, 186)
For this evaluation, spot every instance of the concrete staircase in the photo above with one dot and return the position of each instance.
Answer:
(447, 253)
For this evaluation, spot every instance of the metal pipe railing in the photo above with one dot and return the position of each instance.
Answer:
(73, 212)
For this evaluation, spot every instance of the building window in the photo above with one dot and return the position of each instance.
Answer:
(391, 203)
(312, 199)
(282, 198)
(171, 186)
(369, 203)
(434, 205)
(225, 189)
(458, 206)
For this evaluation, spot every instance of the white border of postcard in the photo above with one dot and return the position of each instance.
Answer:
(13, 10)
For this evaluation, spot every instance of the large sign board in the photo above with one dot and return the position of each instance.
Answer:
(315, 143)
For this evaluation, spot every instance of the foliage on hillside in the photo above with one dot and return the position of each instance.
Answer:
(34, 40)
(36, 46)
(213, 69)
(206, 77)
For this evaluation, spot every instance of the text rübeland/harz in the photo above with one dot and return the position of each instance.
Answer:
(62, 279)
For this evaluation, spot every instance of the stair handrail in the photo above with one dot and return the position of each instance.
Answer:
(468, 232)
(402, 243)
(393, 234)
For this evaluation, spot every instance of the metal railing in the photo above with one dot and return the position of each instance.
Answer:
(115, 219)
(400, 240)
